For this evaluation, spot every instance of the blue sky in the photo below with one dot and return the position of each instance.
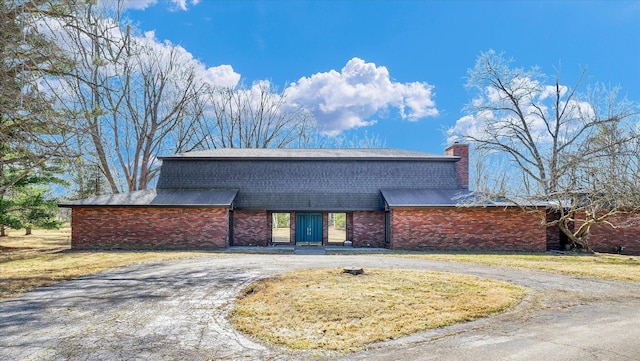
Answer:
(409, 58)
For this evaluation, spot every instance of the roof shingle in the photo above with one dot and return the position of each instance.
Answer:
(162, 198)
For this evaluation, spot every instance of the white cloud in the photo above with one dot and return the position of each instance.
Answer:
(550, 90)
(140, 4)
(357, 94)
(148, 48)
(537, 104)
(221, 75)
(180, 5)
(174, 4)
(470, 125)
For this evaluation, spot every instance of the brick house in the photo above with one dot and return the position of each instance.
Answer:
(258, 197)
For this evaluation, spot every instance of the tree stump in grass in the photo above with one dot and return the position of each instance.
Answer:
(353, 270)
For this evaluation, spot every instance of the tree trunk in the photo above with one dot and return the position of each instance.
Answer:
(578, 238)
(27, 231)
(2, 232)
(582, 244)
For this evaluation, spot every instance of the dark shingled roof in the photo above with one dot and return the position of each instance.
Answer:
(306, 153)
(424, 197)
(398, 198)
(163, 198)
(307, 202)
(308, 184)
(292, 179)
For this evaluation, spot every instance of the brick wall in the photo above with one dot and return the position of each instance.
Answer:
(349, 225)
(491, 229)
(368, 229)
(604, 238)
(251, 228)
(553, 232)
(149, 228)
(325, 228)
(292, 223)
(462, 166)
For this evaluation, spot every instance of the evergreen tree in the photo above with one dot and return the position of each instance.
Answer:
(35, 208)
(27, 203)
(31, 131)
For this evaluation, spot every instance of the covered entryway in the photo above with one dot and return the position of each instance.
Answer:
(309, 229)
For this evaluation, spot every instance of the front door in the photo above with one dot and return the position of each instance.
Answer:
(309, 229)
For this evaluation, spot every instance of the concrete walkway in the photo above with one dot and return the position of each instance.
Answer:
(305, 250)
(177, 310)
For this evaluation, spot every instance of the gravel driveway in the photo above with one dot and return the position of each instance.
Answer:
(175, 310)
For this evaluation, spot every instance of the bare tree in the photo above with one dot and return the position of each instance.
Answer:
(255, 117)
(552, 140)
(88, 38)
(131, 97)
(159, 88)
(606, 182)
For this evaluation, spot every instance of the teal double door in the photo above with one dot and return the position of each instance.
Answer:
(309, 229)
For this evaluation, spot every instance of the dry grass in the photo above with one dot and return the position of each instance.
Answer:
(40, 240)
(604, 266)
(328, 309)
(41, 259)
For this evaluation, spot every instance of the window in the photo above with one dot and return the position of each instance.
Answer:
(337, 227)
(280, 227)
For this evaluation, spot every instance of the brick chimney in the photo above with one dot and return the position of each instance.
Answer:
(462, 166)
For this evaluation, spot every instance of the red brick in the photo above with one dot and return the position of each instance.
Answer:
(488, 229)
(148, 228)
(251, 228)
(606, 239)
(462, 166)
(368, 229)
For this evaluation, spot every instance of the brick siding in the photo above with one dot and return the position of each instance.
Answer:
(292, 224)
(604, 238)
(368, 229)
(462, 166)
(251, 228)
(491, 229)
(488, 229)
(349, 225)
(554, 233)
(149, 228)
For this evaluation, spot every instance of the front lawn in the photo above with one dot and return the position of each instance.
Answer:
(331, 310)
(604, 266)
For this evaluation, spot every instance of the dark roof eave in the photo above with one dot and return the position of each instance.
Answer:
(314, 154)
(422, 205)
(163, 199)
(72, 205)
(311, 210)
(333, 159)
(459, 206)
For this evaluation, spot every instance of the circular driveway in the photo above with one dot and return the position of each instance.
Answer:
(176, 310)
